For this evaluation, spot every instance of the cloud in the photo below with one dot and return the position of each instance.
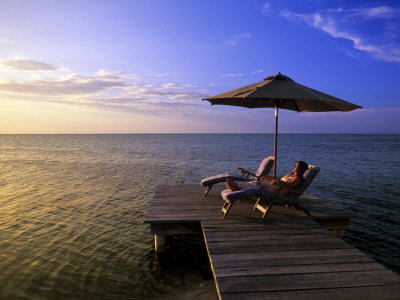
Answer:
(74, 85)
(355, 25)
(363, 111)
(230, 75)
(166, 74)
(376, 109)
(5, 41)
(236, 39)
(104, 89)
(176, 86)
(266, 8)
(233, 75)
(27, 65)
(170, 94)
(379, 12)
(115, 75)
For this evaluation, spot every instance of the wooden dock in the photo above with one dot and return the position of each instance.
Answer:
(286, 256)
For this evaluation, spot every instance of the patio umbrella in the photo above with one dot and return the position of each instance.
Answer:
(279, 91)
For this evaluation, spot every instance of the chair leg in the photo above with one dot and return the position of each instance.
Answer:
(268, 209)
(261, 207)
(207, 190)
(257, 202)
(226, 208)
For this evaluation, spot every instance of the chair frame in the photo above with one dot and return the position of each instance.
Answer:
(265, 206)
(243, 172)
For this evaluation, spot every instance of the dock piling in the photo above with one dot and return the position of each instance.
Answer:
(159, 242)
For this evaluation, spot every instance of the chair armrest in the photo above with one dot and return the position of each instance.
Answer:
(244, 171)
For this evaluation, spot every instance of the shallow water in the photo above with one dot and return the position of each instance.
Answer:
(72, 206)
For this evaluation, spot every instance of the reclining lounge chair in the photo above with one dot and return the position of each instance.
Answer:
(264, 168)
(265, 199)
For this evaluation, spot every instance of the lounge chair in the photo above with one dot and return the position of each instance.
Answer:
(265, 199)
(264, 168)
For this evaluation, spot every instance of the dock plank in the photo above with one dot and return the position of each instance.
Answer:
(365, 293)
(297, 269)
(307, 281)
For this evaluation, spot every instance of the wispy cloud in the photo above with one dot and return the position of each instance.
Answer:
(171, 94)
(266, 8)
(233, 75)
(104, 89)
(74, 85)
(355, 25)
(166, 74)
(238, 38)
(171, 85)
(26, 65)
(5, 41)
(112, 75)
(242, 74)
(363, 111)
(378, 12)
(376, 109)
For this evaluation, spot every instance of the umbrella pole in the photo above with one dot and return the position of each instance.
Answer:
(276, 138)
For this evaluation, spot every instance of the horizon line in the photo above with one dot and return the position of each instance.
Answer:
(161, 133)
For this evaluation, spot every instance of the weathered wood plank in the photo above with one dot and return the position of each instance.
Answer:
(290, 261)
(297, 269)
(261, 222)
(267, 226)
(254, 248)
(285, 254)
(306, 281)
(290, 235)
(384, 292)
(264, 240)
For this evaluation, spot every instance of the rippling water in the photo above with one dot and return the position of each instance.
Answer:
(72, 206)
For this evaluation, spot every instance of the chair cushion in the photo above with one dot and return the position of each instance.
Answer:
(227, 195)
(220, 178)
(306, 178)
(305, 181)
(265, 166)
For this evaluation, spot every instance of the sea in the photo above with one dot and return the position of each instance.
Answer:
(72, 206)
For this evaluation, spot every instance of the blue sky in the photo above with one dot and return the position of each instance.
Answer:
(144, 66)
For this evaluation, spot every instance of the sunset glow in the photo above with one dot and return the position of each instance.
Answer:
(138, 67)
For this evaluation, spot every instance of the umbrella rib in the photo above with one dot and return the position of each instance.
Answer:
(295, 105)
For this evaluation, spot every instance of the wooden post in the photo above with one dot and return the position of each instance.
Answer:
(276, 137)
(159, 242)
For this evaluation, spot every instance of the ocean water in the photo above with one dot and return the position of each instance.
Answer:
(72, 206)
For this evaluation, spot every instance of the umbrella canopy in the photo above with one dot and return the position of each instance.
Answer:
(280, 91)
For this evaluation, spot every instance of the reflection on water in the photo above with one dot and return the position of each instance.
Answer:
(185, 263)
(72, 206)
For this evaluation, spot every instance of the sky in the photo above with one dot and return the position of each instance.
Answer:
(144, 66)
